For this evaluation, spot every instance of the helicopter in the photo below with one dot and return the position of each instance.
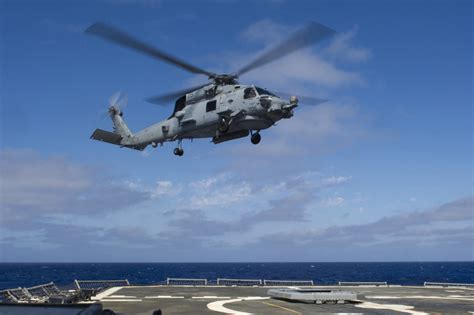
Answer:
(222, 109)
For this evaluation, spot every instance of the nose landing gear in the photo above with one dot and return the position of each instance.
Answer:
(255, 137)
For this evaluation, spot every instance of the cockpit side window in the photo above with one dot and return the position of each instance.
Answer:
(249, 93)
(179, 105)
(264, 92)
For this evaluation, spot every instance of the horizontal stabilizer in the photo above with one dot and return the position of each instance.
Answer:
(111, 137)
(106, 136)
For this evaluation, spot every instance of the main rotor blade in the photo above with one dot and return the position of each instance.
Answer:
(116, 36)
(307, 36)
(306, 100)
(171, 97)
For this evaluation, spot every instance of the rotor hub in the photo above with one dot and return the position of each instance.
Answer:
(224, 79)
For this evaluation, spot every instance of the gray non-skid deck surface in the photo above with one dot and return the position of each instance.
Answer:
(144, 300)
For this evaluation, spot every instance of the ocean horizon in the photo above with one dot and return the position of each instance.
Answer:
(26, 274)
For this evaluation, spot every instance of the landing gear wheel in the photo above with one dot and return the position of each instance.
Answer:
(255, 138)
(223, 125)
(178, 151)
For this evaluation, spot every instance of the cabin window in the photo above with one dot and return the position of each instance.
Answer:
(249, 93)
(210, 106)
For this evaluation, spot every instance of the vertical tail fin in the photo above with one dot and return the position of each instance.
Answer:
(120, 127)
(122, 136)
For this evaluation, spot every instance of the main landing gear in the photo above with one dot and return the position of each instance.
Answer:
(179, 149)
(223, 125)
(255, 137)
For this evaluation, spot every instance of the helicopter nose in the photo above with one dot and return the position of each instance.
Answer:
(293, 100)
(277, 104)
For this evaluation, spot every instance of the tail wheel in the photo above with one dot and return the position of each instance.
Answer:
(223, 125)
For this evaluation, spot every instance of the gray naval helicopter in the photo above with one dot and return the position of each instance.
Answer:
(222, 109)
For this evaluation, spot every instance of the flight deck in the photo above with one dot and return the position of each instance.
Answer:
(255, 300)
(239, 297)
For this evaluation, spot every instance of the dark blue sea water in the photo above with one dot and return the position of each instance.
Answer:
(407, 273)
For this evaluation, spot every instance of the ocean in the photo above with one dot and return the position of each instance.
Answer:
(405, 273)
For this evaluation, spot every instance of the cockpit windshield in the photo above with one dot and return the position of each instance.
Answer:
(264, 92)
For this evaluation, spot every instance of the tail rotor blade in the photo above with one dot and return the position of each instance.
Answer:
(114, 98)
(122, 101)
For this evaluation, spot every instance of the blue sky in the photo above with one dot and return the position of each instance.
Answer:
(381, 172)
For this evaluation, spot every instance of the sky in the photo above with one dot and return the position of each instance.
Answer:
(382, 171)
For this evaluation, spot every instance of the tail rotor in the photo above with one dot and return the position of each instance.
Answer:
(117, 102)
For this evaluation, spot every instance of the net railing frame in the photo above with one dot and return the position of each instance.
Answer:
(447, 284)
(34, 290)
(274, 282)
(363, 283)
(20, 294)
(8, 296)
(237, 282)
(109, 284)
(186, 281)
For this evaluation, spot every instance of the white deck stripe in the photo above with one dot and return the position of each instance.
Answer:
(107, 292)
(164, 297)
(121, 300)
(218, 306)
(210, 297)
(393, 307)
(450, 297)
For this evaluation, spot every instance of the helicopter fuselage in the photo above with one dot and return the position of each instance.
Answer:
(222, 110)
(226, 112)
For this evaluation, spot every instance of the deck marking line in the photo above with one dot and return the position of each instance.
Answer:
(164, 297)
(210, 297)
(121, 296)
(121, 300)
(218, 306)
(393, 307)
(107, 292)
(449, 297)
(283, 308)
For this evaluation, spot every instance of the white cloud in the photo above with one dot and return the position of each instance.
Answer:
(207, 183)
(334, 180)
(163, 188)
(313, 131)
(342, 48)
(332, 202)
(160, 189)
(225, 195)
(33, 186)
(266, 32)
(303, 70)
